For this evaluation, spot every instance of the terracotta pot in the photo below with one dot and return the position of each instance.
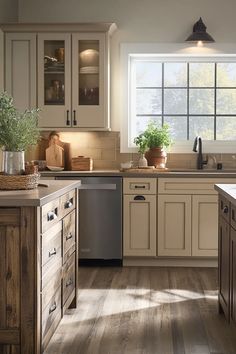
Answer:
(156, 157)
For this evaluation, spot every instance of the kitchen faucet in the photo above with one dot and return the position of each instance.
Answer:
(197, 147)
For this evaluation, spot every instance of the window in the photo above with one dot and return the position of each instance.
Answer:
(195, 95)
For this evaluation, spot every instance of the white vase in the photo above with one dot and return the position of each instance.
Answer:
(13, 162)
(142, 162)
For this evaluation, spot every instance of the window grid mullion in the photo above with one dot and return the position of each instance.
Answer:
(187, 101)
(162, 95)
(215, 102)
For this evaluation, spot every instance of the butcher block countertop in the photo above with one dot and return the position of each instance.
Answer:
(39, 196)
(174, 173)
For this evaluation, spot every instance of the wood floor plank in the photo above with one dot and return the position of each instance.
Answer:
(145, 311)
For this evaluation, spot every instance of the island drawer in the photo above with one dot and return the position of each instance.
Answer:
(51, 244)
(50, 288)
(51, 317)
(68, 284)
(139, 185)
(224, 208)
(68, 232)
(233, 216)
(51, 213)
(67, 202)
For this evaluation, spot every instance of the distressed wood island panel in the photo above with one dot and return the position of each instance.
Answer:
(31, 302)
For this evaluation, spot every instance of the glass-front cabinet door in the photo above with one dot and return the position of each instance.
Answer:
(54, 80)
(88, 80)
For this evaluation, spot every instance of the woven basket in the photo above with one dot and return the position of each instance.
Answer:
(13, 182)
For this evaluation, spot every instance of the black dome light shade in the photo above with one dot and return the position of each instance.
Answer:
(199, 33)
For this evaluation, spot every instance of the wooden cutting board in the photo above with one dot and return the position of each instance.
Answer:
(55, 156)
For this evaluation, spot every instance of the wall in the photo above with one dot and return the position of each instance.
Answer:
(138, 21)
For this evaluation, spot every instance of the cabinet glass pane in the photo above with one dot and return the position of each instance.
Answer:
(54, 72)
(88, 72)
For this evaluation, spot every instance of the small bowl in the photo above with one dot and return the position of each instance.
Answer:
(126, 164)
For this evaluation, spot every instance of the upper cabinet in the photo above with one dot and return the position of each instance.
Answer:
(71, 63)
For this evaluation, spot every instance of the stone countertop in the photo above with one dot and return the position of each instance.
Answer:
(175, 173)
(38, 196)
(228, 191)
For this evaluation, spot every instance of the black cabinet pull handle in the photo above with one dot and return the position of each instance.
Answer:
(67, 117)
(68, 204)
(225, 210)
(53, 307)
(52, 252)
(233, 215)
(139, 197)
(69, 282)
(74, 118)
(139, 187)
(69, 236)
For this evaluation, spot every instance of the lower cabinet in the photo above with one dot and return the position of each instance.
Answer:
(187, 225)
(233, 274)
(139, 225)
(204, 225)
(174, 225)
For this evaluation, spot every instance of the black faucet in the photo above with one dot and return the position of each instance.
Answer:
(197, 147)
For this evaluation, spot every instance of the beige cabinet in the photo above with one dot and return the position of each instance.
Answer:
(139, 216)
(20, 69)
(204, 225)
(174, 225)
(188, 216)
(63, 69)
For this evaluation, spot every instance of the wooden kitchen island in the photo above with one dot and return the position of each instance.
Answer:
(227, 251)
(38, 263)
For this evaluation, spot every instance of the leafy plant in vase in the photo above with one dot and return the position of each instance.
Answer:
(141, 142)
(18, 131)
(157, 139)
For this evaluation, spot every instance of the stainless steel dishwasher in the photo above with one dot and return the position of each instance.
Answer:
(100, 220)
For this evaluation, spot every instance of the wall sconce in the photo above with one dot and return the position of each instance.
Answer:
(199, 33)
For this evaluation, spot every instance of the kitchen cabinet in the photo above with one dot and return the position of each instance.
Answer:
(197, 235)
(21, 69)
(139, 217)
(71, 64)
(174, 225)
(38, 265)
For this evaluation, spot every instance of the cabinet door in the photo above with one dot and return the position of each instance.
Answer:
(20, 65)
(54, 80)
(204, 225)
(89, 81)
(224, 266)
(174, 225)
(233, 275)
(139, 225)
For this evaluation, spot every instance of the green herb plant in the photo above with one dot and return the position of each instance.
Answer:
(157, 136)
(18, 130)
(141, 142)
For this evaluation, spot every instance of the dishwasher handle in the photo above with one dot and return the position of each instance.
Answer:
(100, 186)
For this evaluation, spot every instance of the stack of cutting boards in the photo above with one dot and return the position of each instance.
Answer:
(55, 156)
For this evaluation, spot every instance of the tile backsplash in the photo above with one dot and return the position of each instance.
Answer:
(104, 149)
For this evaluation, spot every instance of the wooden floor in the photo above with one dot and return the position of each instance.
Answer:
(145, 310)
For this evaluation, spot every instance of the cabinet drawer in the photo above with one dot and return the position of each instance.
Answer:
(51, 253)
(224, 208)
(233, 215)
(68, 232)
(51, 317)
(50, 214)
(51, 244)
(50, 288)
(142, 185)
(68, 278)
(67, 203)
(190, 185)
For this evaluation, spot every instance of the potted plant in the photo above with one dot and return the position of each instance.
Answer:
(157, 140)
(18, 131)
(141, 142)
